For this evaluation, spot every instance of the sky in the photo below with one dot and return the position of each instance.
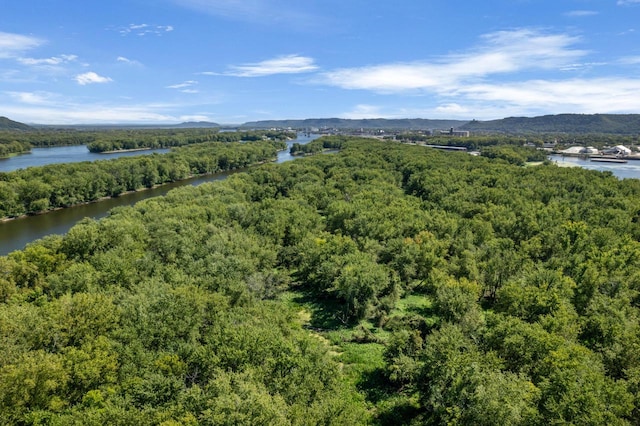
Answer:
(233, 61)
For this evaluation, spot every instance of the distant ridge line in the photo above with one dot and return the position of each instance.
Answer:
(7, 124)
(624, 124)
(368, 123)
(560, 123)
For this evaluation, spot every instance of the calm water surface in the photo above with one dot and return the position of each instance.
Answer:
(630, 170)
(15, 234)
(63, 154)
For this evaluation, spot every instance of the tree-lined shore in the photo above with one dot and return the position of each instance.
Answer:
(39, 189)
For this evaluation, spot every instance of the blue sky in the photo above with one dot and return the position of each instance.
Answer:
(232, 61)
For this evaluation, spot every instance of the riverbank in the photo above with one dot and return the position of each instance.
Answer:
(561, 164)
(14, 154)
(116, 151)
(17, 232)
(140, 190)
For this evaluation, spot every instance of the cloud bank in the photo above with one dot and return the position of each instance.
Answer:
(290, 64)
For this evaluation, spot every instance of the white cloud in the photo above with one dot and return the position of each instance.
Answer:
(627, 2)
(582, 66)
(32, 98)
(581, 13)
(91, 78)
(447, 110)
(54, 60)
(630, 60)
(289, 64)
(67, 111)
(493, 80)
(501, 52)
(194, 118)
(365, 111)
(12, 45)
(188, 83)
(610, 95)
(453, 110)
(129, 62)
(145, 29)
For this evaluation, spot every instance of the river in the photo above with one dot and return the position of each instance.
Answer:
(630, 170)
(64, 154)
(15, 234)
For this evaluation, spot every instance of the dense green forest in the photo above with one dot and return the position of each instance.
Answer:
(386, 284)
(136, 139)
(13, 142)
(37, 189)
(317, 146)
(12, 147)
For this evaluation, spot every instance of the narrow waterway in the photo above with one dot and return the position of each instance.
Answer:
(15, 234)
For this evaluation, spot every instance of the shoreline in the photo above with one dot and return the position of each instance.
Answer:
(116, 151)
(14, 154)
(22, 216)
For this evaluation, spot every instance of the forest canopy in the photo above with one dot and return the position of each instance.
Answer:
(37, 189)
(385, 284)
(13, 142)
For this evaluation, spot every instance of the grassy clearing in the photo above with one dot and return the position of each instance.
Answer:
(360, 347)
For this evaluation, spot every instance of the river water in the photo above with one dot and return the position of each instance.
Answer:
(15, 234)
(64, 154)
(630, 170)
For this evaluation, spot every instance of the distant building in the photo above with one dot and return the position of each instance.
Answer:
(455, 133)
(619, 150)
(579, 150)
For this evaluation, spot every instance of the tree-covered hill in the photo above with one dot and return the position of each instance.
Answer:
(7, 124)
(628, 124)
(197, 124)
(387, 284)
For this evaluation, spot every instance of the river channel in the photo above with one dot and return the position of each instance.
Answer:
(15, 234)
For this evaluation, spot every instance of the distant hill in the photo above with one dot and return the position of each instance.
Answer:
(6, 124)
(192, 124)
(369, 123)
(561, 123)
(624, 124)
